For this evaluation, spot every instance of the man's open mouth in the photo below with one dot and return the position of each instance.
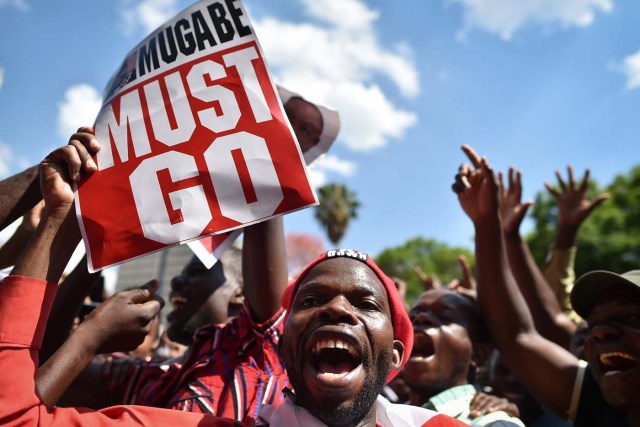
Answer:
(423, 347)
(177, 303)
(334, 357)
(616, 362)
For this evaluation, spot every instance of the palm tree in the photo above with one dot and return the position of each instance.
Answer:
(338, 206)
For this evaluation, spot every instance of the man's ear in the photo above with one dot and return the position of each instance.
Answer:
(238, 297)
(398, 354)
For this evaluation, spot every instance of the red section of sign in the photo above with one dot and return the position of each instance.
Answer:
(110, 219)
(245, 178)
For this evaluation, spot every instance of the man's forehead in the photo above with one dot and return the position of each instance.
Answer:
(442, 297)
(347, 272)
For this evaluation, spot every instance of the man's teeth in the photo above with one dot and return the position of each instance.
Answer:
(177, 302)
(607, 359)
(333, 343)
(616, 362)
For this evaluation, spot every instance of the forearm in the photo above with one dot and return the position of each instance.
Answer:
(71, 295)
(509, 321)
(547, 314)
(567, 236)
(264, 267)
(12, 249)
(559, 272)
(20, 193)
(56, 375)
(502, 304)
(49, 250)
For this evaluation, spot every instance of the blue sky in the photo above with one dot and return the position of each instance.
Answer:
(531, 83)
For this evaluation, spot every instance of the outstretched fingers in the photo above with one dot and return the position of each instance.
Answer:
(552, 190)
(561, 183)
(585, 181)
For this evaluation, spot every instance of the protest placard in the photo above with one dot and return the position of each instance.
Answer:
(209, 249)
(194, 140)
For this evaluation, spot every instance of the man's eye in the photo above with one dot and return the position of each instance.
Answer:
(369, 305)
(309, 302)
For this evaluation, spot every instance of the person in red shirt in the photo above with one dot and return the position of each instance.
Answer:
(232, 368)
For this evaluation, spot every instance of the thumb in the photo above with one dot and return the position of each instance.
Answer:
(598, 201)
(524, 207)
(145, 292)
(152, 307)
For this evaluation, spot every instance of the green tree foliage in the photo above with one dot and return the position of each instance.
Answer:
(338, 206)
(430, 255)
(609, 239)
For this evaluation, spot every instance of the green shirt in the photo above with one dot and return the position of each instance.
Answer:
(455, 401)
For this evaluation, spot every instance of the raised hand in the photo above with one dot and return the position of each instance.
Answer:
(512, 210)
(477, 187)
(121, 322)
(573, 205)
(64, 166)
(467, 285)
(429, 281)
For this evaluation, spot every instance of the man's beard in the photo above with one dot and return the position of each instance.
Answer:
(351, 413)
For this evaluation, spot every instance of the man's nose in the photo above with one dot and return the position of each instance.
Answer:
(338, 309)
(424, 319)
(178, 282)
(604, 331)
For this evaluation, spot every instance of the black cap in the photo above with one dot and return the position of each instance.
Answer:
(590, 286)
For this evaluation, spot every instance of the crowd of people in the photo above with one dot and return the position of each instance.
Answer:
(338, 345)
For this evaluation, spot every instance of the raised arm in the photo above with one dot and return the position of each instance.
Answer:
(549, 318)
(57, 234)
(264, 267)
(573, 209)
(11, 251)
(71, 294)
(533, 357)
(25, 300)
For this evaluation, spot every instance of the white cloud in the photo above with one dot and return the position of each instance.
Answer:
(18, 4)
(335, 60)
(80, 107)
(351, 14)
(334, 163)
(631, 67)
(506, 17)
(6, 157)
(1, 77)
(320, 169)
(147, 14)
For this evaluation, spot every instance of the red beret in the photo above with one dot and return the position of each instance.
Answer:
(402, 328)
